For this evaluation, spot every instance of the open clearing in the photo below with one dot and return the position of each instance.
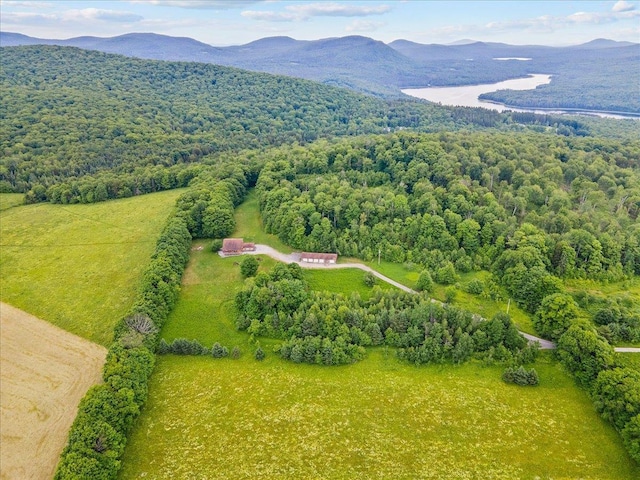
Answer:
(78, 266)
(377, 419)
(44, 372)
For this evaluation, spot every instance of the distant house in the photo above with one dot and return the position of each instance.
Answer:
(236, 246)
(308, 257)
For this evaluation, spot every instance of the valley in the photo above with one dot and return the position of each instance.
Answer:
(127, 160)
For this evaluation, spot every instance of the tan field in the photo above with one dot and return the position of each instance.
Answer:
(44, 372)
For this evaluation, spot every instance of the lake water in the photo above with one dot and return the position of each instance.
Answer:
(467, 96)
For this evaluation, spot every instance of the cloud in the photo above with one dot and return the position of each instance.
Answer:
(364, 26)
(623, 6)
(302, 12)
(200, 4)
(102, 15)
(76, 16)
(28, 4)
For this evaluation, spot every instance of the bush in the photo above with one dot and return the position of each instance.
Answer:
(235, 353)
(249, 266)
(216, 245)
(218, 351)
(475, 287)
(259, 355)
(369, 279)
(446, 275)
(520, 376)
(450, 294)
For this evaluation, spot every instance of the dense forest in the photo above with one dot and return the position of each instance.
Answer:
(67, 114)
(532, 209)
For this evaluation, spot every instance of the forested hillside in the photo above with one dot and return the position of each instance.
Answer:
(584, 76)
(530, 208)
(68, 113)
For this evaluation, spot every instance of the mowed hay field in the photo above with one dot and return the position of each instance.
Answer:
(78, 266)
(44, 372)
(377, 419)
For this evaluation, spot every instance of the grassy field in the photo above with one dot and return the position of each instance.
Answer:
(9, 200)
(249, 225)
(78, 266)
(342, 281)
(205, 310)
(377, 419)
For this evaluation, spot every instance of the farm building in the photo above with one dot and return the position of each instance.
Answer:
(318, 257)
(235, 246)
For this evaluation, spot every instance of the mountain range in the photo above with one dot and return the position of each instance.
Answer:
(361, 63)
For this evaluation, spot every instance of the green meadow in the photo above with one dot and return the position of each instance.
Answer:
(377, 419)
(10, 200)
(78, 266)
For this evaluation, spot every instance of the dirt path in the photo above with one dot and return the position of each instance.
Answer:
(44, 372)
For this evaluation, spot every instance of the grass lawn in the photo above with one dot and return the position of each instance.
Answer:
(249, 224)
(9, 200)
(205, 310)
(342, 281)
(78, 266)
(377, 419)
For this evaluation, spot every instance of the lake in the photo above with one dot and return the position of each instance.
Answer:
(467, 96)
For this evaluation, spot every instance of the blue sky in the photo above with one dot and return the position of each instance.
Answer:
(234, 22)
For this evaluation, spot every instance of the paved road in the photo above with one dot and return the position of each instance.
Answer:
(295, 258)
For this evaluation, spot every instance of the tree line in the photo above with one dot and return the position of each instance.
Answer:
(107, 412)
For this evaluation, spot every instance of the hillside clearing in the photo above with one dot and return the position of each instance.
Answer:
(44, 373)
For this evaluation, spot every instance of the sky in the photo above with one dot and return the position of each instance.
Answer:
(236, 22)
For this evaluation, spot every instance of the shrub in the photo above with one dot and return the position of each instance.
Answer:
(216, 245)
(521, 376)
(450, 294)
(446, 275)
(249, 266)
(475, 287)
(218, 351)
(182, 346)
(259, 355)
(369, 279)
(235, 353)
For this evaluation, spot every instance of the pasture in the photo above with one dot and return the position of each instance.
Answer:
(78, 266)
(44, 372)
(377, 419)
